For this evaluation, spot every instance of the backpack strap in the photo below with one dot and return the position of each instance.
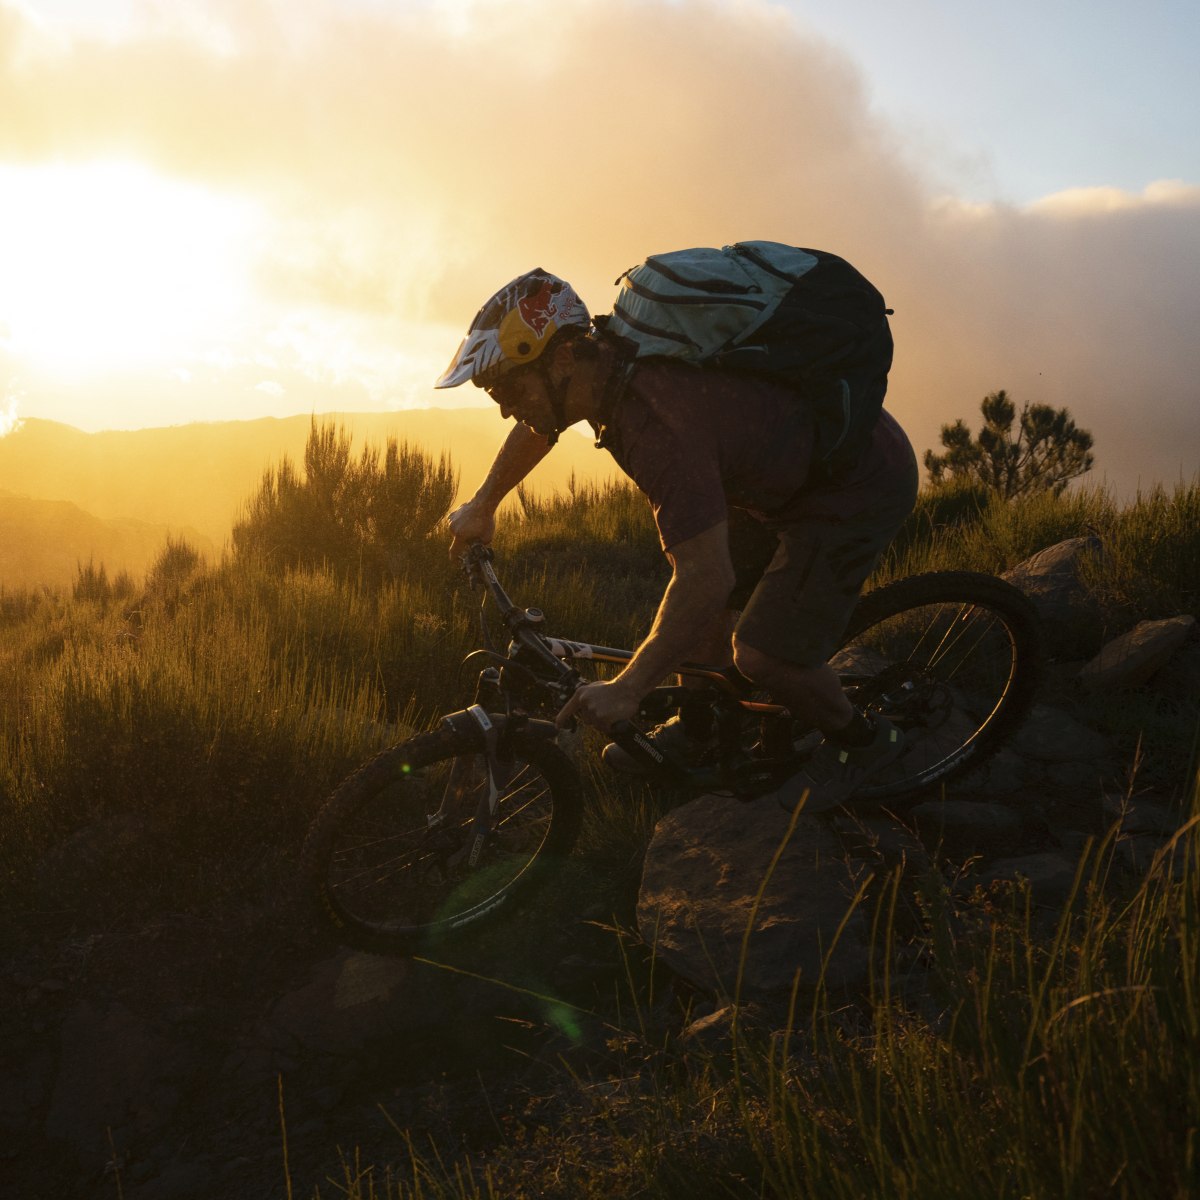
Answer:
(616, 384)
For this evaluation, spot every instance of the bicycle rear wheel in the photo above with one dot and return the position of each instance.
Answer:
(953, 659)
(407, 851)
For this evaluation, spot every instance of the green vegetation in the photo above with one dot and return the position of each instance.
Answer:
(1044, 452)
(376, 518)
(163, 747)
(1060, 1061)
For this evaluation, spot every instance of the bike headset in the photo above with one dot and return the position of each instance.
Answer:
(513, 328)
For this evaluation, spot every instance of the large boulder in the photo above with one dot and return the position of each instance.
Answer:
(1051, 579)
(1133, 658)
(118, 1078)
(1179, 679)
(702, 874)
(1050, 735)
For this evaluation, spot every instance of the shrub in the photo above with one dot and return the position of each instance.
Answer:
(376, 517)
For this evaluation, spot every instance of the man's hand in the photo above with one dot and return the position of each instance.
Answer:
(471, 522)
(600, 704)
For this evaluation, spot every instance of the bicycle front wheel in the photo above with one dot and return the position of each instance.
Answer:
(953, 659)
(432, 837)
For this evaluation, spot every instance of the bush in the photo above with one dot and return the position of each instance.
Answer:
(376, 518)
(1044, 452)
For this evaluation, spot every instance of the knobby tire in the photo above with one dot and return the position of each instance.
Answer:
(386, 884)
(960, 606)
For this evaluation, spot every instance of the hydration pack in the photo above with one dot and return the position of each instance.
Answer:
(801, 317)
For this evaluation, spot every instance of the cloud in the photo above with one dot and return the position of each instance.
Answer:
(1090, 201)
(414, 161)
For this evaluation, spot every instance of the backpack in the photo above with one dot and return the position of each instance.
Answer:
(801, 317)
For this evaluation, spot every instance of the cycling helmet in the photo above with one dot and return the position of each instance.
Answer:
(515, 326)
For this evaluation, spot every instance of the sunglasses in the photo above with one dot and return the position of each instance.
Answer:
(501, 385)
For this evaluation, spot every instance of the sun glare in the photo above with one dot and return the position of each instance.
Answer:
(109, 265)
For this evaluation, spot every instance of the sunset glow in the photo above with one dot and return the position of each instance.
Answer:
(109, 265)
(212, 210)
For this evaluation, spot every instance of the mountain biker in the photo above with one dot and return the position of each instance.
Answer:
(748, 520)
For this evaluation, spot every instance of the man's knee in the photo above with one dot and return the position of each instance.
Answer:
(758, 667)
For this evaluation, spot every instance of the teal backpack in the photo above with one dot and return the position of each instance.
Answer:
(803, 317)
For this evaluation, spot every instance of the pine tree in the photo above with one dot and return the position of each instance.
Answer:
(1044, 452)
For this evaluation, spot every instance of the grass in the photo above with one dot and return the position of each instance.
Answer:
(182, 733)
(1060, 1061)
(1149, 566)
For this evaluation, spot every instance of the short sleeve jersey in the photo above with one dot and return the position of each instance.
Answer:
(698, 441)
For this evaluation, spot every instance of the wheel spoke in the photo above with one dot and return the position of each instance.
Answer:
(945, 652)
(404, 854)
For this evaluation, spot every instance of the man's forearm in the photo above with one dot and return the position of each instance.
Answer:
(702, 578)
(684, 609)
(522, 450)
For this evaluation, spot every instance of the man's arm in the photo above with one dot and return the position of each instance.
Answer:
(701, 579)
(475, 520)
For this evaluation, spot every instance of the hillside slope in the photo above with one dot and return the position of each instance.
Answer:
(201, 475)
(46, 541)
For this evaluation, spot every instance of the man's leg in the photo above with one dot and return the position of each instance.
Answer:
(790, 629)
(813, 694)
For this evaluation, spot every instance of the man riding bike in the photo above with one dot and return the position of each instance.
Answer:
(768, 547)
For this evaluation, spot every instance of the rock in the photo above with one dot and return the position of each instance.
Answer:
(1004, 773)
(182, 1179)
(968, 827)
(353, 1004)
(23, 1091)
(1082, 776)
(1143, 816)
(1137, 854)
(1179, 679)
(1049, 875)
(702, 871)
(1051, 735)
(115, 1072)
(347, 1003)
(1131, 659)
(1051, 580)
(880, 840)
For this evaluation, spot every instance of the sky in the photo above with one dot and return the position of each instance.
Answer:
(220, 209)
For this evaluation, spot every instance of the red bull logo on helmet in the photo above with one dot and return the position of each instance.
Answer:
(515, 325)
(539, 308)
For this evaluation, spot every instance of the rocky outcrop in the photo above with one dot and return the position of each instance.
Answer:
(118, 1078)
(700, 889)
(1136, 657)
(1025, 815)
(1051, 578)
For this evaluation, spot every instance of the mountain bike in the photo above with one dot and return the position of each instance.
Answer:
(448, 828)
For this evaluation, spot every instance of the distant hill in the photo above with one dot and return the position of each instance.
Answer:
(46, 542)
(200, 476)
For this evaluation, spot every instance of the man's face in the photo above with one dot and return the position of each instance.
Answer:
(521, 393)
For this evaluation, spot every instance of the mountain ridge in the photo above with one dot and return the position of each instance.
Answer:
(194, 480)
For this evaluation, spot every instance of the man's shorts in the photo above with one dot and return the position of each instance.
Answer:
(798, 580)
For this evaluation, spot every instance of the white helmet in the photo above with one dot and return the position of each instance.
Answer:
(515, 326)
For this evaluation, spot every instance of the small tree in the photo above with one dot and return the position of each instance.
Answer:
(1044, 452)
(377, 516)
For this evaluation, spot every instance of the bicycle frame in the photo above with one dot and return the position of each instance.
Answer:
(542, 668)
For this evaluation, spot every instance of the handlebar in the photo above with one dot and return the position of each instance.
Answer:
(522, 623)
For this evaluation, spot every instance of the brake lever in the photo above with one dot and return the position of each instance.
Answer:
(469, 560)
